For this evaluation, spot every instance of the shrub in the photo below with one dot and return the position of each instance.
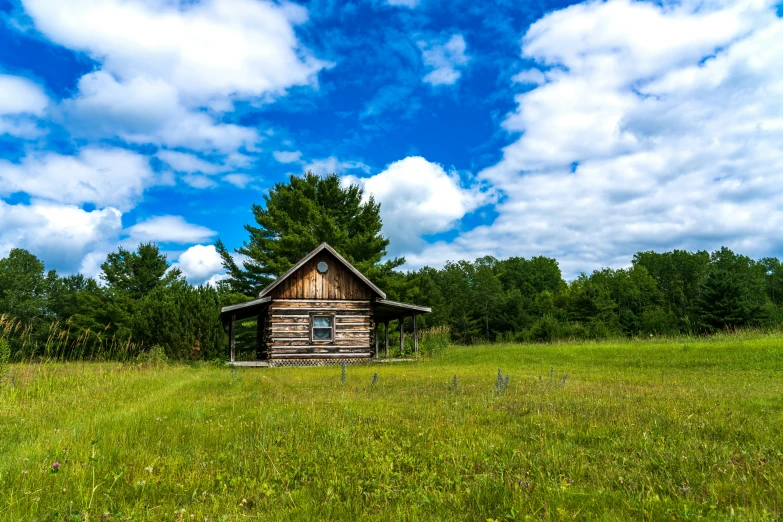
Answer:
(433, 341)
(155, 356)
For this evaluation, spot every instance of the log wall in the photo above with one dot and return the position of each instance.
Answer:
(287, 329)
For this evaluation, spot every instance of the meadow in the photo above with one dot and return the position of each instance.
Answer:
(636, 430)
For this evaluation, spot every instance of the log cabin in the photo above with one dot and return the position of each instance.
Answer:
(321, 309)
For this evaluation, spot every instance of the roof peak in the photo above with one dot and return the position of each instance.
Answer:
(323, 246)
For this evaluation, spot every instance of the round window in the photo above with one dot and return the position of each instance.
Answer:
(323, 267)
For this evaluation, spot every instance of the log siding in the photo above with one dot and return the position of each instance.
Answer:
(287, 329)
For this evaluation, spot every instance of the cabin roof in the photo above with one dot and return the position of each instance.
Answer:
(308, 257)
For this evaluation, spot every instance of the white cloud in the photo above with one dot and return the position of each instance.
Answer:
(444, 59)
(148, 110)
(201, 263)
(170, 70)
(238, 180)
(417, 198)
(168, 229)
(656, 128)
(21, 103)
(287, 156)
(104, 177)
(332, 165)
(60, 234)
(20, 95)
(205, 50)
(403, 3)
(184, 162)
(198, 181)
(530, 76)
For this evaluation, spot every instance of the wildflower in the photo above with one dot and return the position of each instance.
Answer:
(148, 469)
(684, 489)
(374, 380)
(342, 374)
(55, 466)
(454, 383)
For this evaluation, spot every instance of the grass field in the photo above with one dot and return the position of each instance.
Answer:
(631, 431)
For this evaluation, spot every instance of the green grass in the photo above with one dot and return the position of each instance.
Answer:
(638, 431)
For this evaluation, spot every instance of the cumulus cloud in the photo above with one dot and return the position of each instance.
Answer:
(185, 162)
(332, 165)
(169, 229)
(103, 177)
(60, 234)
(201, 263)
(204, 50)
(444, 59)
(148, 110)
(286, 156)
(656, 127)
(417, 198)
(169, 70)
(21, 103)
(238, 180)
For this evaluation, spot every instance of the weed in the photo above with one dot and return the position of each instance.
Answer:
(5, 357)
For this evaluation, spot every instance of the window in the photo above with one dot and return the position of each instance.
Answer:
(322, 327)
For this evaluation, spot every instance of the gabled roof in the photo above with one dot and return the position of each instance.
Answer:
(308, 257)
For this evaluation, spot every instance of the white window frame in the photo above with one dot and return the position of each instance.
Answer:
(313, 315)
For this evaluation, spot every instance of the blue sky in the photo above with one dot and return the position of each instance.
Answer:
(584, 132)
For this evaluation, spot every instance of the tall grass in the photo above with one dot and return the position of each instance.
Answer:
(63, 344)
(654, 430)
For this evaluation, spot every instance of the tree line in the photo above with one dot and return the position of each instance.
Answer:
(140, 301)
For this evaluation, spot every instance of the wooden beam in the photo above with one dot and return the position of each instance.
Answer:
(231, 340)
(401, 320)
(415, 336)
(386, 334)
(376, 340)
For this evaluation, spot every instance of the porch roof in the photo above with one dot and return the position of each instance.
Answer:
(386, 310)
(244, 310)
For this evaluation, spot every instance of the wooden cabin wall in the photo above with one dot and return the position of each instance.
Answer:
(337, 283)
(287, 329)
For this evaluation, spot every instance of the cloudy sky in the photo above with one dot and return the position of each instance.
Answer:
(584, 132)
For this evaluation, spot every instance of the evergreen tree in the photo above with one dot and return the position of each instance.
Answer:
(299, 215)
(137, 273)
(733, 292)
(183, 319)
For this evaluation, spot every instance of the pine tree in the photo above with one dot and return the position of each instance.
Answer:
(298, 216)
(137, 273)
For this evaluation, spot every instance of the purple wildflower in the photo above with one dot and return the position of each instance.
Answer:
(56, 466)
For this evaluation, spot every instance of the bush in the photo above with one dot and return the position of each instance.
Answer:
(156, 356)
(546, 329)
(433, 341)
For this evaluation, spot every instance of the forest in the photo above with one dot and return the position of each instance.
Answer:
(140, 301)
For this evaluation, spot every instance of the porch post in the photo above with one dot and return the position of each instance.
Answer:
(401, 320)
(231, 340)
(376, 339)
(415, 336)
(386, 333)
